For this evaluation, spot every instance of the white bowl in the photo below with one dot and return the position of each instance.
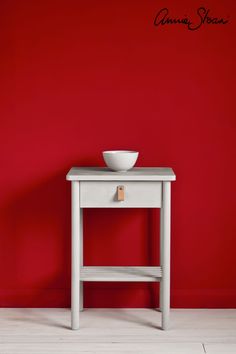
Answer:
(120, 160)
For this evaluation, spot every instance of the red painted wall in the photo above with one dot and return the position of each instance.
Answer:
(78, 77)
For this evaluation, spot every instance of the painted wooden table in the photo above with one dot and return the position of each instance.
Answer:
(94, 187)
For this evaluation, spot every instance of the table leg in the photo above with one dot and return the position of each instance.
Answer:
(165, 254)
(81, 260)
(161, 258)
(75, 256)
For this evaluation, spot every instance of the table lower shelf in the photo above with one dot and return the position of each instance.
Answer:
(99, 273)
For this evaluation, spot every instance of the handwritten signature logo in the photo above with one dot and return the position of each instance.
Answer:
(203, 17)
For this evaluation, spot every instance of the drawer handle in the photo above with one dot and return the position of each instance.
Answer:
(121, 193)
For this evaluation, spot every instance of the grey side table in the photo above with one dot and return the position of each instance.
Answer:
(94, 187)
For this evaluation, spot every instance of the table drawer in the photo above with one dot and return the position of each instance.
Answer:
(103, 194)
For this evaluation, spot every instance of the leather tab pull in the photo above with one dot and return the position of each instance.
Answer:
(121, 193)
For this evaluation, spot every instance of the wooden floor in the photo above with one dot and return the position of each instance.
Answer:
(117, 331)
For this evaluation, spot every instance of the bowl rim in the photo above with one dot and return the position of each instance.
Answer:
(120, 152)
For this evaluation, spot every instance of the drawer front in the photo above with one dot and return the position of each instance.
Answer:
(131, 194)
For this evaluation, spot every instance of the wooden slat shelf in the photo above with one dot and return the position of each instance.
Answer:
(99, 273)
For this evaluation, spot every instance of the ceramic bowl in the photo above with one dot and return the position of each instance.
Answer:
(120, 160)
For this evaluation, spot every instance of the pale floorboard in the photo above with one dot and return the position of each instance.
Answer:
(217, 348)
(24, 331)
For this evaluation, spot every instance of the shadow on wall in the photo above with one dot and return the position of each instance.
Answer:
(36, 244)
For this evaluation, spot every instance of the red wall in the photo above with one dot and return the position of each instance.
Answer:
(79, 77)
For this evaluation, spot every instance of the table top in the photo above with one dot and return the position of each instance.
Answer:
(135, 174)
